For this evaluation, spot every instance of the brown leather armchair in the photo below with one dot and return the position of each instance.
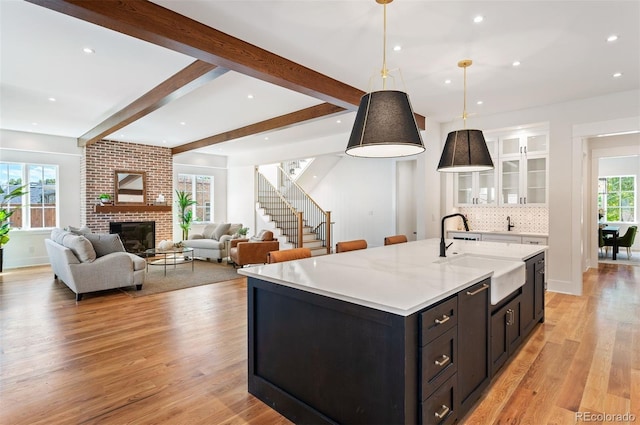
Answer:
(254, 250)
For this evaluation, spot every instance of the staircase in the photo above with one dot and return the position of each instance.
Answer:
(295, 219)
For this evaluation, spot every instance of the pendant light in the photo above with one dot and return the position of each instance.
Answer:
(465, 150)
(385, 126)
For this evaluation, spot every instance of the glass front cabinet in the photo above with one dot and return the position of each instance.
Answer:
(478, 187)
(523, 169)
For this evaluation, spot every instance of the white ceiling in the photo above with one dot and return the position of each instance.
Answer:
(561, 45)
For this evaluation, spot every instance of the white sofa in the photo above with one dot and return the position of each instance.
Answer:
(211, 242)
(93, 262)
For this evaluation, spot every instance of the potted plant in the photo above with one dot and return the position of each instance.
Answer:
(243, 231)
(5, 213)
(185, 214)
(105, 198)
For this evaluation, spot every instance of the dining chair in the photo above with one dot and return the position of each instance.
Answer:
(288, 255)
(625, 240)
(351, 245)
(390, 240)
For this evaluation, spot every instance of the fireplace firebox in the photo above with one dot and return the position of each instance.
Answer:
(136, 236)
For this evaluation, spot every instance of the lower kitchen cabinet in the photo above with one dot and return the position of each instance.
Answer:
(506, 335)
(532, 305)
(474, 369)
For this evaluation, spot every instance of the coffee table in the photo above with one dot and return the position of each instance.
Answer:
(169, 257)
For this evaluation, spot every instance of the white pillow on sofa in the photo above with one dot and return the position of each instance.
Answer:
(209, 230)
(221, 230)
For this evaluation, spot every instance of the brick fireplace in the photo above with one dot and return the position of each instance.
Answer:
(99, 163)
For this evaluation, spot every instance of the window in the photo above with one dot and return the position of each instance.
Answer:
(616, 198)
(201, 189)
(39, 209)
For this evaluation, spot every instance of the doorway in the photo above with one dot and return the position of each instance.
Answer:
(406, 220)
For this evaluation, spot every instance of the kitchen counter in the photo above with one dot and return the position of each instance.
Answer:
(392, 334)
(399, 279)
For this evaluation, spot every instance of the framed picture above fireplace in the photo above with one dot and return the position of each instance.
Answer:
(130, 187)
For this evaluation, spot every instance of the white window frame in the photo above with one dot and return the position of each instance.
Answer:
(25, 201)
(207, 206)
(605, 195)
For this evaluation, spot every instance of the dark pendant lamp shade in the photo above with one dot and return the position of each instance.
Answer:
(464, 151)
(385, 127)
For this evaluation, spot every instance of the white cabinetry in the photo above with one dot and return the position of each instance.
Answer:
(523, 169)
(498, 237)
(478, 187)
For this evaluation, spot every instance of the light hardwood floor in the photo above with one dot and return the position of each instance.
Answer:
(180, 357)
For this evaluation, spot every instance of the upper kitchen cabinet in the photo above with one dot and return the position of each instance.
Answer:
(523, 168)
(478, 187)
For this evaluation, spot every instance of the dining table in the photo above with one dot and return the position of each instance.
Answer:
(614, 231)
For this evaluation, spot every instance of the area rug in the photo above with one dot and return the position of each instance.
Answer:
(204, 273)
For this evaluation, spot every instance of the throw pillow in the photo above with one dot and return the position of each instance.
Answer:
(221, 230)
(234, 228)
(208, 230)
(57, 235)
(105, 243)
(80, 246)
(79, 230)
(263, 235)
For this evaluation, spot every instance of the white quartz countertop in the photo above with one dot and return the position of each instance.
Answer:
(400, 279)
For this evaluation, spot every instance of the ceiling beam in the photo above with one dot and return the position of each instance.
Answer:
(283, 121)
(188, 79)
(163, 27)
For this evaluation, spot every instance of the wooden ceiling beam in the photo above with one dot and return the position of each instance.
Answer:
(153, 23)
(190, 78)
(282, 121)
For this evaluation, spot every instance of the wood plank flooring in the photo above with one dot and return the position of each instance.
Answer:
(180, 357)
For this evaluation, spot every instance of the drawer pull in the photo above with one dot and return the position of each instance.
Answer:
(442, 320)
(443, 412)
(444, 361)
(484, 286)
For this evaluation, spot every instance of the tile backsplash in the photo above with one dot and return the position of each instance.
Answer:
(527, 219)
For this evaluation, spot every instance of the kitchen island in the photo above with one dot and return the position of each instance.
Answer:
(377, 335)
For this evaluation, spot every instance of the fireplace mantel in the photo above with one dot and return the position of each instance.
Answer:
(107, 209)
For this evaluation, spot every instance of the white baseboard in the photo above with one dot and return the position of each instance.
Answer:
(564, 287)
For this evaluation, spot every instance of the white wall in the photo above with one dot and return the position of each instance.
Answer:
(359, 192)
(27, 248)
(241, 205)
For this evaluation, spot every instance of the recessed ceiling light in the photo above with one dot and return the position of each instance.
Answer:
(516, 63)
(52, 99)
(88, 50)
(183, 123)
(612, 38)
(338, 121)
(266, 138)
(447, 81)
(34, 123)
(121, 134)
(478, 19)
(250, 96)
(164, 142)
(479, 102)
(397, 48)
(617, 75)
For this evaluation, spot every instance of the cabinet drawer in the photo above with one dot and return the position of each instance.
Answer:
(439, 408)
(439, 361)
(437, 320)
(534, 240)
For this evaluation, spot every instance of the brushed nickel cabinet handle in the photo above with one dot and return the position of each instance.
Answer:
(444, 361)
(444, 319)
(484, 286)
(443, 412)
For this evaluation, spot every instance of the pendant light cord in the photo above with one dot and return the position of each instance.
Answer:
(384, 71)
(464, 103)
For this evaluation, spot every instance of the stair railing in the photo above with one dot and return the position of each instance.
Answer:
(288, 218)
(315, 217)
